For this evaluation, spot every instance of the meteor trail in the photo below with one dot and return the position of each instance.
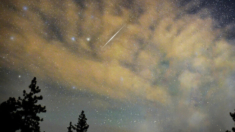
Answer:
(113, 36)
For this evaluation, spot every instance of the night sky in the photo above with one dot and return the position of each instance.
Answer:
(131, 65)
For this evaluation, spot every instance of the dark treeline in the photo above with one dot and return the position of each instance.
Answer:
(233, 117)
(22, 113)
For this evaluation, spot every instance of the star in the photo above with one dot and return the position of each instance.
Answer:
(121, 79)
(73, 38)
(25, 8)
(19, 76)
(12, 38)
(88, 39)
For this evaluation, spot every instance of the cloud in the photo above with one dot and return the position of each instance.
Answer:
(162, 55)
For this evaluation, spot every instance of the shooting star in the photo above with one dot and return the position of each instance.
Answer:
(114, 36)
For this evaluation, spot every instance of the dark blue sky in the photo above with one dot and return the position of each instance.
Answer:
(222, 10)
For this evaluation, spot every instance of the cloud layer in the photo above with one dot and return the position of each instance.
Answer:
(163, 55)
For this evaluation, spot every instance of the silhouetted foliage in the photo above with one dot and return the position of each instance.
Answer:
(81, 126)
(22, 113)
(233, 116)
(70, 127)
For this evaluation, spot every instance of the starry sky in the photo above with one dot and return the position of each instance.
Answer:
(169, 66)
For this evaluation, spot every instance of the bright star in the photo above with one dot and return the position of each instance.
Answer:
(88, 39)
(25, 8)
(73, 38)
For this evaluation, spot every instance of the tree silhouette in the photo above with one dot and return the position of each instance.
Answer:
(233, 116)
(22, 113)
(81, 126)
(70, 127)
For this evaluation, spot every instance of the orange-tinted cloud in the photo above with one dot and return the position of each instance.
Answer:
(157, 50)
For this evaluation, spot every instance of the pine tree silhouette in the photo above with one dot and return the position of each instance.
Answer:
(233, 116)
(9, 117)
(22, 113)
(70, 127)
(81, 126)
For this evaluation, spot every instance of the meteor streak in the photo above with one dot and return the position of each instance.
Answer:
(114, 35)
